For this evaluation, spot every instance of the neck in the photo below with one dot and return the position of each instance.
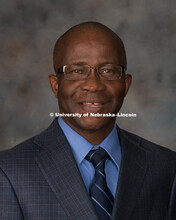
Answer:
(96, 137)
(92, 135)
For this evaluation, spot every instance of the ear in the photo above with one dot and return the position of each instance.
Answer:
(128, 80)
(53, 80)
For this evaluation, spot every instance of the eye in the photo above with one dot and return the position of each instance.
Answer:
(107, 71)
(76, 69)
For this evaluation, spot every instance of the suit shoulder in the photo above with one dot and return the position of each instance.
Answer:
(25, 149)
(28, 149)
(147, 145)
(160, 159)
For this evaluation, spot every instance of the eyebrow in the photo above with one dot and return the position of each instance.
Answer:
(79, 63)
(84, 63)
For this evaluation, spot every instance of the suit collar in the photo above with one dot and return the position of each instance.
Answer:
(61, 172)
(131, 176)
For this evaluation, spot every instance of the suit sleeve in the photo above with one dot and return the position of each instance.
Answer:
(172, 205)
(9, 205)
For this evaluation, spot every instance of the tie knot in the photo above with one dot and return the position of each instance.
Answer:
(97, 157)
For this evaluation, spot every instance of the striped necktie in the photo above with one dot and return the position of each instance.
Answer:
(99, 192)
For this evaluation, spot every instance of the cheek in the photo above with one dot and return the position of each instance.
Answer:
(118, 94)
(63, 98)
(66, 91)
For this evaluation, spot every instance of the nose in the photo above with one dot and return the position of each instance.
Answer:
(93, 83)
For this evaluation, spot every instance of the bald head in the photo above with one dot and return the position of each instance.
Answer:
(87, 32)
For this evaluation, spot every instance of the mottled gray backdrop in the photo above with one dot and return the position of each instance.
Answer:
(28, 31)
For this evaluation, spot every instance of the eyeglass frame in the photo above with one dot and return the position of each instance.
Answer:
(62, 70)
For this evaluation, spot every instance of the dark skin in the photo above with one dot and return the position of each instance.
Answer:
(91, 44)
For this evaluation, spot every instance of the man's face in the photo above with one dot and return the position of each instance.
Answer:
(95, 94)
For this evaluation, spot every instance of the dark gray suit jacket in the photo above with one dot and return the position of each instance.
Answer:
(39, 180)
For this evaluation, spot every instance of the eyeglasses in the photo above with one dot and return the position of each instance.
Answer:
(82, 71)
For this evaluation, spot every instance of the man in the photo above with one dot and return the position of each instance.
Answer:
(88, 168)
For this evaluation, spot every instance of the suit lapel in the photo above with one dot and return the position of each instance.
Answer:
(62, 174)
(131, 176)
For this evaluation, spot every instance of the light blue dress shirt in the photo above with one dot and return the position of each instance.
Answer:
(80, 148)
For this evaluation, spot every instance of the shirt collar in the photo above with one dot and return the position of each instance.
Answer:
(80, 146)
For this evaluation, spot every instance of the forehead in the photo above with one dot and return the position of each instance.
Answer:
(94, 51)
(89, 45)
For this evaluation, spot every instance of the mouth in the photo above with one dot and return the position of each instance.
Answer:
(91, 106)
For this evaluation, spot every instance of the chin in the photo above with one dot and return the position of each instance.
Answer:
(94, 123)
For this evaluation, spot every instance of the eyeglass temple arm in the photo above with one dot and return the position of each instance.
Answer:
(60, 70)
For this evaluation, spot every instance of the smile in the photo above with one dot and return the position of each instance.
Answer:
(91, 106)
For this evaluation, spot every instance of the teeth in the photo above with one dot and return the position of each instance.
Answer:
(92, 103)
(95, 103)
